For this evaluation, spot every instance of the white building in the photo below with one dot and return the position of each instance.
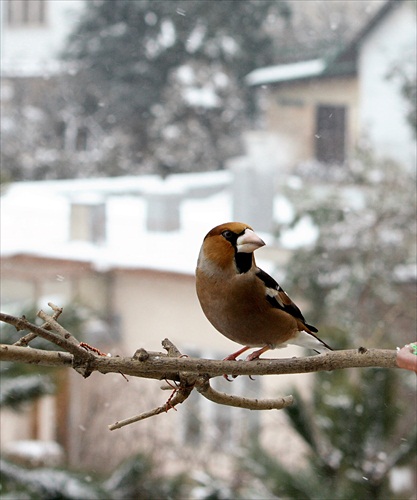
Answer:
(34, 33)
(323, 109)
(389, 44)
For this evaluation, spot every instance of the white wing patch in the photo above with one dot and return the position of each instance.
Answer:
(271, 292)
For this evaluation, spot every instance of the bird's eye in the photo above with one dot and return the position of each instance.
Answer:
(227, 234)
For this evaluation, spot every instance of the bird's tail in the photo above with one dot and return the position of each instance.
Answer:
(310, 328)
(310, 341)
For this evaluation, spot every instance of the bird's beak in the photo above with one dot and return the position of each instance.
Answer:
(248, 242)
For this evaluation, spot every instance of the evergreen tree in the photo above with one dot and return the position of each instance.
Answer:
(171, 73)
(136, 478)
(357, 430)
(360, 274)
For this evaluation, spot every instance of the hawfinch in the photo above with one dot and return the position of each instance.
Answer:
(243, 302)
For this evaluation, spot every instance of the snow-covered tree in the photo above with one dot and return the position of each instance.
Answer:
(137, 477)
(158, 86)
(360, 273)
(170, 74)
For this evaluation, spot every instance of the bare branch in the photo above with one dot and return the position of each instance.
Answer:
(64, 343)
(55, 326)
(222, 398)
(160, 366)
(187, 373)
(24, 341)
(34, 356)
(179, 396)
(158, 363)
(82, 358)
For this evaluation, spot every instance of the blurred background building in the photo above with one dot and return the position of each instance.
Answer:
(115, 166)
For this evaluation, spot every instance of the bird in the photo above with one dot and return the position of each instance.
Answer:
(242, 301)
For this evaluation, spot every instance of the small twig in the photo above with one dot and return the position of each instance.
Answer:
(64, 343)
(137, 418)
(172, 350)
(179, 396)
(55, 326)
(91, 348)
(204, 388)
(24, 341)
(180, 392)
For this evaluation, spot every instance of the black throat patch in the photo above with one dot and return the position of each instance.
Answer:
(243, 262)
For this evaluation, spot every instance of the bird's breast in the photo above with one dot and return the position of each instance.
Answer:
(237, 308)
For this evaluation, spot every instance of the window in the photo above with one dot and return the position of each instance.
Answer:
(22, 13)
(72, 137)
(330, 134)
(81, 141)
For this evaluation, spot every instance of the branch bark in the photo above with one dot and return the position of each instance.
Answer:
(158, 365)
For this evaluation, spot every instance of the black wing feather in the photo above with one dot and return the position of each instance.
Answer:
(290, 308)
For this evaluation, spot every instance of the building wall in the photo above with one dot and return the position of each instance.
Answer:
(291, 113)
(155, 305)
(32, 48)
(30, 281)
(382, 108)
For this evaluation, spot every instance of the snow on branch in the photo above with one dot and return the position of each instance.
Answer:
(182, 373)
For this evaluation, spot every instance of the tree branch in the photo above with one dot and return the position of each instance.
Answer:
(159, 366)
(186, 373)
(24, 341)
(34, 356)
(222, 398)
(64, 339)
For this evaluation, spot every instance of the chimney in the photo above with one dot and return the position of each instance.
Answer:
(254, 180)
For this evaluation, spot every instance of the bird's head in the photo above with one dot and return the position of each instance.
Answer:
(230, 244)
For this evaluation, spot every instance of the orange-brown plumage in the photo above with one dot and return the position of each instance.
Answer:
(243, 302)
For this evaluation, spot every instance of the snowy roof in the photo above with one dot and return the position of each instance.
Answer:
(381, 14)
(343, 62)
(286, 72)
(36, 220)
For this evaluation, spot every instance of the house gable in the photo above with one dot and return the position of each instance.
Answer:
(295, 98)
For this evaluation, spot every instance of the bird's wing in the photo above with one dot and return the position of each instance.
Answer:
(278, 298)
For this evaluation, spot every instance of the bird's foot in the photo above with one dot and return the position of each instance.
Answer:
(232, 357)
(256, 354)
